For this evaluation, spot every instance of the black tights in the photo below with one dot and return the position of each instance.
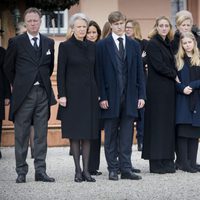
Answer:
(75, 146)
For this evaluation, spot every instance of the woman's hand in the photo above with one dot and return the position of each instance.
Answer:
(187, 90)
(177, 79)
(104, 104)
(63, 101)
(141, 103)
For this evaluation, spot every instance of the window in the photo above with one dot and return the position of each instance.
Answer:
(55, 23)
(177, 5)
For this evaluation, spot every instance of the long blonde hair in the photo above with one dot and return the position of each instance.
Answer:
(154, 31)
(136, 28)
(195, 59)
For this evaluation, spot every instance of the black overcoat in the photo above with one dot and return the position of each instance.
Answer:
(4, 85)
(107, 79)
(76, 81)
(21, 68)
(159, 131)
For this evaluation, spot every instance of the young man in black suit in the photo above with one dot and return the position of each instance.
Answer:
(28, 66)
(4, 92)
(122, 93)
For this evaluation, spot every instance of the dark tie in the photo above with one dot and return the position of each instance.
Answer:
(121, 47)
(35, 43)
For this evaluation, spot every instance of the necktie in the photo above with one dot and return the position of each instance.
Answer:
(121, 47)
(35, 43)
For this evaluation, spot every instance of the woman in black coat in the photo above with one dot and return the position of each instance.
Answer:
(4, 92)
(94, 34)
(133, 30)
(77, 91)
(188, 103)
(159, 128)
(184, 23)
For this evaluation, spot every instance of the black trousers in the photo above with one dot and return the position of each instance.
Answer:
(187, 149)
(140, 127)
(95, 148)
(34, 107)
(118, 141)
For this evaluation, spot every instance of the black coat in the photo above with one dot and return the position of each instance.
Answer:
(21, 68)
(184, 113)
(159, 131)
(176, 40)
(4, 85)
(76, 81)
(108, 83)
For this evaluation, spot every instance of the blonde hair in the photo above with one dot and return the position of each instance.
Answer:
(136, 28)
(195, 59)
(106, 30)
(69, 33)
(183, 15)
(154, 31)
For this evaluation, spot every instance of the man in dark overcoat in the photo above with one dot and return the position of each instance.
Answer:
(4, 92)
(28, 66)
(122, 93)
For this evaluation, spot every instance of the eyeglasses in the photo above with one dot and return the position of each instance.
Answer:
(129, 27)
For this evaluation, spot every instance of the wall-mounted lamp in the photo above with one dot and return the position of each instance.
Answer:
(16, 16)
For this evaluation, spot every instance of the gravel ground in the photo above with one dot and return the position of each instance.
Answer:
(180, 186)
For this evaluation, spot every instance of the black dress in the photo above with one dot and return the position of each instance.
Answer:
(159, 129)
(76, 81)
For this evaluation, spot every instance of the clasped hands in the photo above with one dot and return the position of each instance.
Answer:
(187, 90)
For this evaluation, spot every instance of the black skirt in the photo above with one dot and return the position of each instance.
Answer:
(188, 131)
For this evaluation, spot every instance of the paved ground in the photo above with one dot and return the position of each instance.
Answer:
(178, 186)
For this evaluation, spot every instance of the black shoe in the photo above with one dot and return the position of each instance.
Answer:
(130, 175)
(78, 178)
(187, 169)
(95, 173)
(197, 167)
(170, 170)
(158, 171)
(0, 155)
(43, 177)
(135, 170)
(140, 146)
(21, 178)
(88, 178)
(113, 176)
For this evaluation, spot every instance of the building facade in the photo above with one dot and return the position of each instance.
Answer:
(55, 26)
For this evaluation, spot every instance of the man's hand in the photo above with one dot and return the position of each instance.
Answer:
(63, 101)
(141, 103)
(104, 104)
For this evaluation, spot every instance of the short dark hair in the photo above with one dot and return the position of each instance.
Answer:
(115, 17)
(32, 10)
(93, 23)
